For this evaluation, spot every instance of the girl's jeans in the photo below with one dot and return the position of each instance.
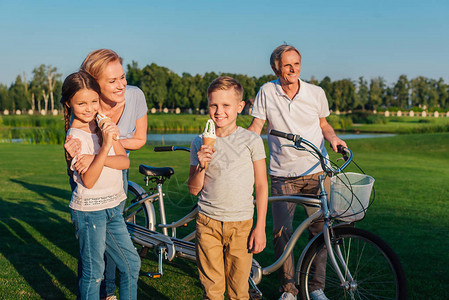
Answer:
(101, 232)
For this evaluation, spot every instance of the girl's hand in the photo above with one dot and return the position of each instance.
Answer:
(109, 131)
(205, 155)
(72, 146)
(83, 162)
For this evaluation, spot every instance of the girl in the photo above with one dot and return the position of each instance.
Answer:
(95, 208)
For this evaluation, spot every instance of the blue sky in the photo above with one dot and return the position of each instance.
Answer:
(340, 39)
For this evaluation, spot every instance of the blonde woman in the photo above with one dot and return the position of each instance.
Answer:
(127, 108)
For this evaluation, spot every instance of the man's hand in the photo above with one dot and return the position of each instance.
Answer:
(337, 141)
(330, 136)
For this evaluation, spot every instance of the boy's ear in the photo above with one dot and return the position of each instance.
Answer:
(241, 106)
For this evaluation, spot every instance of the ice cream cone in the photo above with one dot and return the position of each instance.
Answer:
(209, 142)
(101, 120)
(209, 136)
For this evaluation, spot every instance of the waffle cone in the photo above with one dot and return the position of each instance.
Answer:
(102, 121)
(209, 142)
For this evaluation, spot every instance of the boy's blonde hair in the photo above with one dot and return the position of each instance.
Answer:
(97, 60)
(225, 83)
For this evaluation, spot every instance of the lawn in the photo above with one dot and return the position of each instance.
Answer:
(38, 249)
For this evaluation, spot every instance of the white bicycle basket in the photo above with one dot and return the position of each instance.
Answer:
(350, 195)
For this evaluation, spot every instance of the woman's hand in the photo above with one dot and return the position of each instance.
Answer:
(72, 146)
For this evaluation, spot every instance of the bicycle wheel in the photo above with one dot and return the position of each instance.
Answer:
(143, 214)
(375, 268)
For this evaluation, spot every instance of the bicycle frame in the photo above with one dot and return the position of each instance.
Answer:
(173, 246)
(307, 200)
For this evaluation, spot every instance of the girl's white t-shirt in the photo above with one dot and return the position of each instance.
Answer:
(108, 190)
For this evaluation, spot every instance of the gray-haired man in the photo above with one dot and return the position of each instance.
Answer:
(289, 104)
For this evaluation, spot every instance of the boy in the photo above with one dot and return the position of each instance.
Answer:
(224, 240)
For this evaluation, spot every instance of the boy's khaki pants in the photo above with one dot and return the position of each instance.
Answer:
(222, 257)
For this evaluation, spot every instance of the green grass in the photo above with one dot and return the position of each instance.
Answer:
(405, 125)
(38, 249)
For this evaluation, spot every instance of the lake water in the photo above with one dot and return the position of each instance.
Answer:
(186, 138)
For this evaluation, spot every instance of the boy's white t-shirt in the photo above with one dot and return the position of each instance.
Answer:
(108, 190)
(227, 194)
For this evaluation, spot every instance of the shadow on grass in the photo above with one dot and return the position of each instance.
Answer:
(31, 233)
(180, 280)
(46, 219)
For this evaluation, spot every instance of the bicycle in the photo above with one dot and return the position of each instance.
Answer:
(359, 264)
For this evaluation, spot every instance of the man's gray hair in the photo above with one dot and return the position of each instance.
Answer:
(276, 56)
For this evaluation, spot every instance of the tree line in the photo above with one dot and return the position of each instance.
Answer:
(164, 88)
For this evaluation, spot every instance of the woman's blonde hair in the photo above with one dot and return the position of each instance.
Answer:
(97, 60)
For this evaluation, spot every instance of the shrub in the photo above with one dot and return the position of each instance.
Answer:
(365, 117)
(339, 122)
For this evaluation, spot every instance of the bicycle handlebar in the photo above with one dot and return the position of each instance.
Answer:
(298, 140)
(170, 148)
(288, 136)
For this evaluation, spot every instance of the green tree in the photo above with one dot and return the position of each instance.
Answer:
(432, 92)
(5, 100)
(419, 91)
(43, 85)
(376, 92)
(154, 85)
(177, 96)
(57, 92)
(387, 96)
(195, 93)
(401, 91)
(134, 74)
(326, 85)
(362, 93)
(443, 94)
(18, 94)
(261, 81)
(345, 95)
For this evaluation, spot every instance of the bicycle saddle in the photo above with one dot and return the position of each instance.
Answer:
(153, 171)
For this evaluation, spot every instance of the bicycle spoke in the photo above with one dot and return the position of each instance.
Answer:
(372, 271)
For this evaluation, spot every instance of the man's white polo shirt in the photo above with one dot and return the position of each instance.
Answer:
(299, 116)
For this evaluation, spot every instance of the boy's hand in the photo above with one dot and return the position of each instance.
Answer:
(205, 155)
(83, 162)
(257, 240)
